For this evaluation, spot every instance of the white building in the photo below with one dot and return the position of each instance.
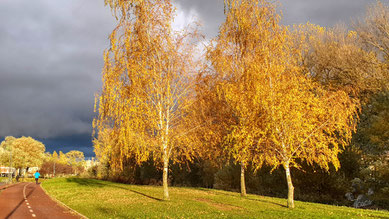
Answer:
(5, 171)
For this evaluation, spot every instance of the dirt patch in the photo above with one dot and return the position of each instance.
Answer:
(220, 206)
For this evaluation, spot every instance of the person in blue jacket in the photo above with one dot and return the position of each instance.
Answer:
(37, 175)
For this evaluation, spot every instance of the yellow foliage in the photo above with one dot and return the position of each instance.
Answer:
(278, 112)
(147, 86)
(336, 59)
(26, 151)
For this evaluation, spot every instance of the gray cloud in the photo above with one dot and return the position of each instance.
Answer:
(211, 13)
(50, 65)
(324, 13)
(321, 12)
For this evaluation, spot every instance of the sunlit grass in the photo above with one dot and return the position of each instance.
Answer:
(101, 199)
(4, 180)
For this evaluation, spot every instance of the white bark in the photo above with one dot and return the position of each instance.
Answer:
(290, 185)
(242, 180)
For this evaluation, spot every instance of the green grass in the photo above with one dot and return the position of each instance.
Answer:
(4, 179)
(101, 199)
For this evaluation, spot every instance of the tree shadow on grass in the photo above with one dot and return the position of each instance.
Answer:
(216, 192)
(86, 182)
(98, 184)
(237, 196)
(110, 212)
(269, 202)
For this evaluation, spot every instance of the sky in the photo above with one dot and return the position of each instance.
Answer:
(51, 56)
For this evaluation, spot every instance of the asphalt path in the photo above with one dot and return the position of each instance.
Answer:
(28, 200)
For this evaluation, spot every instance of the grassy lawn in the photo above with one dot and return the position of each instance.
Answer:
(3, 179)
(101, 199)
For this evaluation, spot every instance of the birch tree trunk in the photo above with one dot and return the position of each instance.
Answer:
(242, 180)
(290, 185)
(165, 175)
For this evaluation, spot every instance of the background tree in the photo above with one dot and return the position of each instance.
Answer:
(146, 85)
(2, 155)
(373, 131)
(26, 152)
(76, 159)
(334, 57)
(373, 31)
(5, 150)
(47, 168)
(357, 62)
(62, 158)
(54, 155)
(372, 139)
(69, 163)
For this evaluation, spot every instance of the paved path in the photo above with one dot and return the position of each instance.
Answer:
(28, 200)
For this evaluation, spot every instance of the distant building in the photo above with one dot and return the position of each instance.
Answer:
(5, 171)
(90, 162)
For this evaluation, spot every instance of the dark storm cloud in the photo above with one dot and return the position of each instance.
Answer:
(325, 13)
(321, 12)
(68, 143)
(50, 64)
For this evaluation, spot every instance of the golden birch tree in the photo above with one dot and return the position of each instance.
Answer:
(249, 33)
(304, 119)
(230, 55)
(282, 114)
(307, 123)
(147, 83)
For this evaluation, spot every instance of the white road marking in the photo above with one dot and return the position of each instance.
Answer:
(25, 199)
(24, 191)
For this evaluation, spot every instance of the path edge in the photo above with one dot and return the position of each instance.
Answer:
(63, 204)
(8, 185)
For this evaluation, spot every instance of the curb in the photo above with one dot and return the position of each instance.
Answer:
(61, 203)
(8, 185)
